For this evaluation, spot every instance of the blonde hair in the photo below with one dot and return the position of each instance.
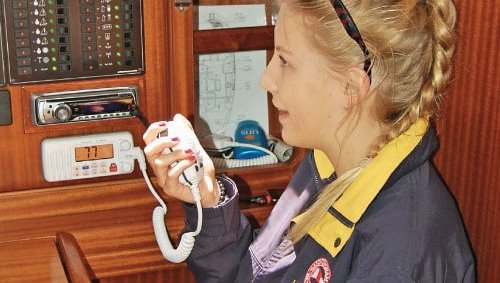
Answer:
(411, 43)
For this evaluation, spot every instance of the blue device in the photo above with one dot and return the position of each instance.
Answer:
(249, 132)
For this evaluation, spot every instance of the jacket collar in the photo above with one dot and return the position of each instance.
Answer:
(396, 159)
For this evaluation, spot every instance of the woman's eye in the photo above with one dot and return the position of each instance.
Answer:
(282, 60)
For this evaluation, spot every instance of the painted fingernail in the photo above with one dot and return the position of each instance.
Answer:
(192, 158)
(175, 138)
(188, 151)
(162, 124)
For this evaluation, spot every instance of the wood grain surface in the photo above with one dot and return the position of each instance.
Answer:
(110, 218)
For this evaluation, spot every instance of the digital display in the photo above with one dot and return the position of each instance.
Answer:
(99, 107)
(94, 152)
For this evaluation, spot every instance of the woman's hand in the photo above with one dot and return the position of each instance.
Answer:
(168, 174)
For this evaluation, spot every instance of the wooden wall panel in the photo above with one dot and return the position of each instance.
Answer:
(182, 276)
(20, 157)
(469, 155)
(32, 208)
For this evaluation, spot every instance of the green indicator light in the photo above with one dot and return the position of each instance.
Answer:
(118, 44)
(51, 12)
(117, 7)
(52, 30)
(51, 21)
(117, 26)
(118, 35)
(54, 59)
(53, 49)
(117, 17)
(52, 40)
(119, 54)
(119, 63)
(51, 2)
(54, 68)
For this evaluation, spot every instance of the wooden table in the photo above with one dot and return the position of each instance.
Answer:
(33, 260)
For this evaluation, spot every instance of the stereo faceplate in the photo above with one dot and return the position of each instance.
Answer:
(83, 105)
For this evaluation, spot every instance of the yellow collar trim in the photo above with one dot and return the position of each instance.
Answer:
(323, 164)
(332, 234)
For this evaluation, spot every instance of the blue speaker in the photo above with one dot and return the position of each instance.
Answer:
(249, 132)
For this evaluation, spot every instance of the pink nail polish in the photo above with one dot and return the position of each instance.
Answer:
(175, 138)
(192, 158)
(162, 124)
(188, 151)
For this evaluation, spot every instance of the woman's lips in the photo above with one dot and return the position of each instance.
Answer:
(282, 114)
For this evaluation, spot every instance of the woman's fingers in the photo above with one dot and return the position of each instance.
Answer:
(168, 166)
(158, 146)
(171, 184)
(153, 130)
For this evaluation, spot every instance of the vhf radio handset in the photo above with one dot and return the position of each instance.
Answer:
(190, 177)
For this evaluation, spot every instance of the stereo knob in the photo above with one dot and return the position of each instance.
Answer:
(62, 113)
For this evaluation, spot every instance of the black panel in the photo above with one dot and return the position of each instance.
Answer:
(2, 66)
(73, 39)
(5, 108)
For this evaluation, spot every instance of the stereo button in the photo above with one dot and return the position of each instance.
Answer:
(125, 145)
(113, 167)
(126, 167)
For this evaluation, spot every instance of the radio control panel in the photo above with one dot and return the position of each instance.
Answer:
(90, 156)
(72, 39)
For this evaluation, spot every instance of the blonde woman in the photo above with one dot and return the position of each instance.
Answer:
(358, 83)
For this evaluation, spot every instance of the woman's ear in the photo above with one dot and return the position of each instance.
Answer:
(357, 87)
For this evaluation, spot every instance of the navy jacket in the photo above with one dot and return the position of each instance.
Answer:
(411, 232)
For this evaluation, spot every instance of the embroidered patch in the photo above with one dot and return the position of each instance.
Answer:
(318, 272)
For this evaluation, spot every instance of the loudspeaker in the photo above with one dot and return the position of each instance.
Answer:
(5, 109)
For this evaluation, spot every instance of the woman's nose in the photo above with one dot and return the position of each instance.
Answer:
(267, 81)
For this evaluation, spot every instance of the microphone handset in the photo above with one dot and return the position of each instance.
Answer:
(190, 177)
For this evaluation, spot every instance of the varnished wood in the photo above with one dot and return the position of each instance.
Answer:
(469, 156)
(181, 275)
(20, 158)
(77, 268)
(111, 225)
(233, 40)
(34, 260)
(110, 218)
(181, 99)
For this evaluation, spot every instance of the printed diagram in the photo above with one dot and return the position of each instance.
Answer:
(216, 20)
(230, 16)
(217, 80)
(229, 92)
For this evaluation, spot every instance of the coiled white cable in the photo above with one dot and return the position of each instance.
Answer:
(158, 218)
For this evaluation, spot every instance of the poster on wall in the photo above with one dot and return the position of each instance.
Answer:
(229, 83)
